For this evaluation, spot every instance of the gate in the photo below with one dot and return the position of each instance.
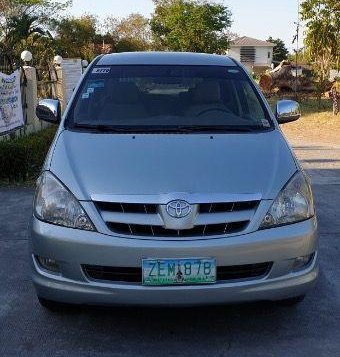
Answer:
(47, 79)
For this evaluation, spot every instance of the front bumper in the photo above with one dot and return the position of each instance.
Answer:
(72, 248)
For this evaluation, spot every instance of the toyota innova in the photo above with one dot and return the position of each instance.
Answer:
(169, 182)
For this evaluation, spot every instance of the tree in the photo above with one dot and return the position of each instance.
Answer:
(300, 55)
(280, 51)
(75, 36)
(322, 39)
(191, 25)
(25, 22)
(131, 33)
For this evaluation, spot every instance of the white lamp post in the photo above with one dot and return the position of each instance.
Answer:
(26, 56)
(58, 60)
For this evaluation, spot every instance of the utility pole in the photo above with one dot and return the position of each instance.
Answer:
(296, 39)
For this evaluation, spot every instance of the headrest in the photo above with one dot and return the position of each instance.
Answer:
(124, 93)
(207, 92)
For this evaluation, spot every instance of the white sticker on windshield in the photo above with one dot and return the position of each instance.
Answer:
(90, 90)
(101, 70)
(85, 95)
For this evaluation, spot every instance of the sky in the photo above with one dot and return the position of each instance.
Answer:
(254, 18)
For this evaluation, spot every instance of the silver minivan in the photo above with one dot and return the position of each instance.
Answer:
(169, 182)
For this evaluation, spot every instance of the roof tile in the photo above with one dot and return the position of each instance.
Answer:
(249, 41)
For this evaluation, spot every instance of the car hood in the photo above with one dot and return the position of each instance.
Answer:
(91, 164)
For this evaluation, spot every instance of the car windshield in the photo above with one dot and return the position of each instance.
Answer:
(160, 97)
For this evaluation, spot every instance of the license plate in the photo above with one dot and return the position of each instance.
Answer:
(179, 271)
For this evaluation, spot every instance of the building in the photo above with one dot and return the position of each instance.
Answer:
(256, 55)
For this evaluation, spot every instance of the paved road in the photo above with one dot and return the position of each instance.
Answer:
(313, 328)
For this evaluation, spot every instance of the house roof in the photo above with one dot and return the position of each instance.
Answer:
(249, 41)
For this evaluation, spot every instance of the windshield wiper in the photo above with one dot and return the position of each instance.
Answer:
(102, 128)
(216, 128)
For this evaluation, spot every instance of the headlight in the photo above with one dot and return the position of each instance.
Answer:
(55, 204)
(293, 204)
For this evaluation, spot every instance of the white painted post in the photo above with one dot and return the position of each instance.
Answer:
(33, 123)
(59, 87)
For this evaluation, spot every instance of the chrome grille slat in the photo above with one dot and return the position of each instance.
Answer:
(128, 224)
(156, 220)
(146, 211)
(205, 227)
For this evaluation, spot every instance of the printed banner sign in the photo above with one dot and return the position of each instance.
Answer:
(11, 115)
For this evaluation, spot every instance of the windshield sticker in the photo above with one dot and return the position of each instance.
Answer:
(101, 70)
(265, 123)
(85, 95)
(90, 90)
(100, 83)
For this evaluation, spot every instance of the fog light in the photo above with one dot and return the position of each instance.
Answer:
(49, 264)
(302, 262)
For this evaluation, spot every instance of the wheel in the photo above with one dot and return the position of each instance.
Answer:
(55, 306)
(291, 301)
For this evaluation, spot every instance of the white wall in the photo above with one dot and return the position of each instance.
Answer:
(261, 58)
(234, 52)
(72, 72)
(261, 55)
(68, 76)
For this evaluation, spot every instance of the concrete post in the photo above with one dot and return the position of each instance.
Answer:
(60, 90)
(31, 98)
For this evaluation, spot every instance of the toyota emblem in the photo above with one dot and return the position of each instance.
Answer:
(178, 208)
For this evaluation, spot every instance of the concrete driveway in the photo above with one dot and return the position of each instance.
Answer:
(312, 328)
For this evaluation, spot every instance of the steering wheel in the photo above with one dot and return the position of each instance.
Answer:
(223, 110)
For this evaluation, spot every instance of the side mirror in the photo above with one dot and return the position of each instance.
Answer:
(287, 111)
(49, 110)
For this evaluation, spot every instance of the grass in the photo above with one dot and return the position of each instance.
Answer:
(309, 104)
(316, 125)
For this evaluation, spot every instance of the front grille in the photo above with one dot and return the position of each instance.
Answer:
(150, 208)
(227, 206)
(158, 231)
(127, 207)
(243, 271)
(149, 219)
(134, 275)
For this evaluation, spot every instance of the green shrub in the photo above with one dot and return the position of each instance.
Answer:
(22, 158)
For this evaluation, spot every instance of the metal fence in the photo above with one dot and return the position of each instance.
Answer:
(47, 78)
(8, 65)
(46, 74)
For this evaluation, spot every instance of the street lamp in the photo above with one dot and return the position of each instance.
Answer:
(84, 65)
(26, 56)
(57, 60)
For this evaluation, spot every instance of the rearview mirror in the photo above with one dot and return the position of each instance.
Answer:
(49, 110)
(287, 111)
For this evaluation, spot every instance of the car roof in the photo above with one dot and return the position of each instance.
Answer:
(165, 58)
